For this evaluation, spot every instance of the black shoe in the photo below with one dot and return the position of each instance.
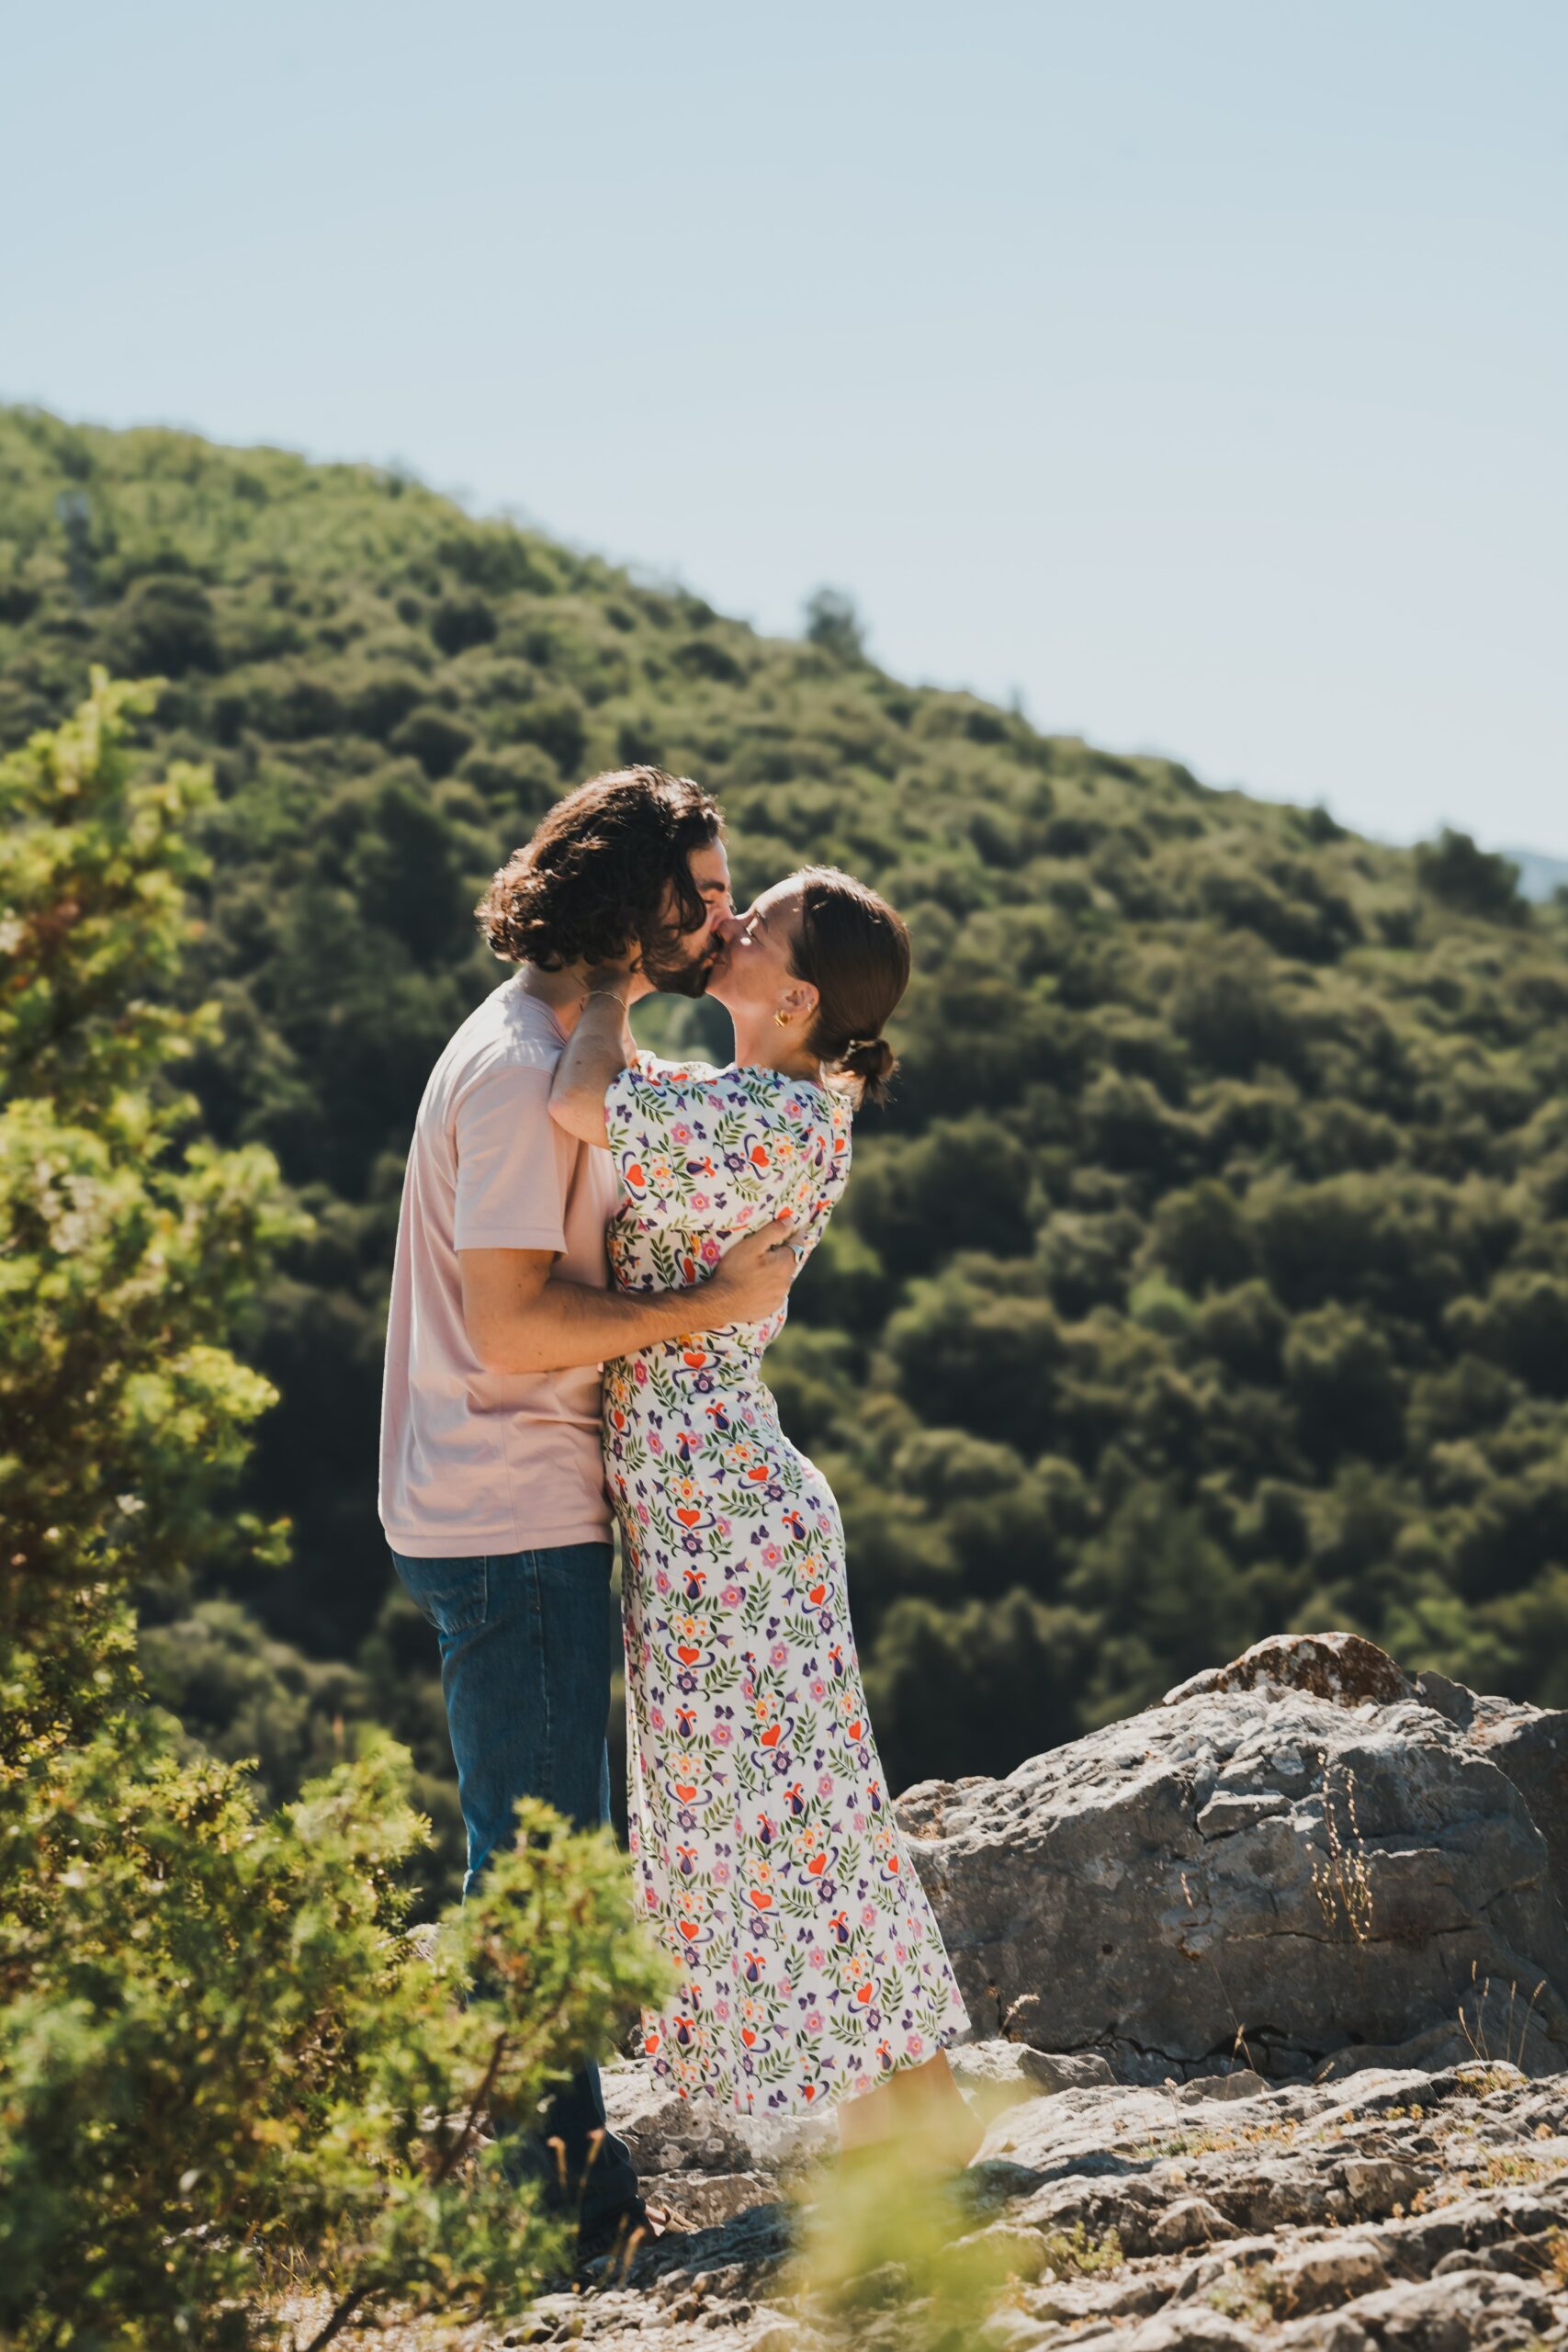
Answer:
(616, 2238)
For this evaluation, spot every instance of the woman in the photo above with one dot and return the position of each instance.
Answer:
(811, 1970)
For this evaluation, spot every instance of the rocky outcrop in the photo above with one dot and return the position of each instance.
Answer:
(1401, 2211)
(1300, 1858)
(1270, 1992)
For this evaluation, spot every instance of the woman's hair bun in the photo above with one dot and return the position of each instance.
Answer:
(873, 1061)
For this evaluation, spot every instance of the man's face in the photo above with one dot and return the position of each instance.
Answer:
(682, 965)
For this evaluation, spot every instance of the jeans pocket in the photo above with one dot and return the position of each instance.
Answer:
(452, 1595)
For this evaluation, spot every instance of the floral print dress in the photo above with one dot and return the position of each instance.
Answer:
(762, 1830)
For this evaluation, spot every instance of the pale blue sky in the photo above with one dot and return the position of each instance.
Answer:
(1194, 367)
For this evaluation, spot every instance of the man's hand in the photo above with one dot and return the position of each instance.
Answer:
(754, 1278)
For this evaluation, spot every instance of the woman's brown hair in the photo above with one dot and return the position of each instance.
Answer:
(854, 950)
(592, 882)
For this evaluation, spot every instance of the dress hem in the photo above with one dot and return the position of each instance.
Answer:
(805, 2109)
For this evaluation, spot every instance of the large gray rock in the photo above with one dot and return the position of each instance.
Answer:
(1293, 1857)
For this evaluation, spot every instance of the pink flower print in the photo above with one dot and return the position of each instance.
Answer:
(732, 1596)
(710, 1252)
(817, 1957)
(640, 1373)
(859, 1821)
(656, 1717)
(778, 1655)
(721, 1878)
(813, 2020)
(771, 1555)
(722, 1528)
(914, 2045)
(722, 1735)
(819, 1689)
(900, 1951)
(700, 1201)
(868, 1917)
(662, 1581)
(679, 1132)
(721, 2011)
(655, 1442)
(824, 1786)
(642, 1514)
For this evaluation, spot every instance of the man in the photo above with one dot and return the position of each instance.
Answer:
(492, 1492)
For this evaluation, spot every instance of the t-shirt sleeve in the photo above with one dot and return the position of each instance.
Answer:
(513, 1163)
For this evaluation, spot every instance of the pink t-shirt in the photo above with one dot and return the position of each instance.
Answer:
(474, 1460)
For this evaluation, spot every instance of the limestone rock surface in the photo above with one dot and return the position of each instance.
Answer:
(1294, 1858)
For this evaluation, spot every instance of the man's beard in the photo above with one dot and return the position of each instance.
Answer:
(688, 977)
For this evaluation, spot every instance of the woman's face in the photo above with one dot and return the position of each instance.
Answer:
(752, 976)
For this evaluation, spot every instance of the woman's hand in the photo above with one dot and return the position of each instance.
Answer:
(624, 978)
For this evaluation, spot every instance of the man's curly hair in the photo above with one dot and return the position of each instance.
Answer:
(593, 881)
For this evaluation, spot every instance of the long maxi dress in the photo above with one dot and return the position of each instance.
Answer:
(769, 1861)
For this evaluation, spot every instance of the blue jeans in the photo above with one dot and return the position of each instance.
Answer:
(525, 1644)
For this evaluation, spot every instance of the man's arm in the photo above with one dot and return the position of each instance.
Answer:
(522, 1317)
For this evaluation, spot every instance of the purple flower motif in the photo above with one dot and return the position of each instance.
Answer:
(686, 1684)
(691, 1543)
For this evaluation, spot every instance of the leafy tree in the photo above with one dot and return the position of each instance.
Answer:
(831, 621)
(228, 2068)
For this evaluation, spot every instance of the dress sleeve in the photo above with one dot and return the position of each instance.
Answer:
(707, 1151)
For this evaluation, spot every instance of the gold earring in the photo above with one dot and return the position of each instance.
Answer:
(783, 1020)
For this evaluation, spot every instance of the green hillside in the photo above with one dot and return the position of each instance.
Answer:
(1209, 1276)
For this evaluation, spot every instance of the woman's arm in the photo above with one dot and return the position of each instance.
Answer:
(598, 1049)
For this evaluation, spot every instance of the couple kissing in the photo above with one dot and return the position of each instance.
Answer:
(594, 1249)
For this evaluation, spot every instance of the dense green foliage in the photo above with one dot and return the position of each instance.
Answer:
(224, 2067)
(1208, 1276)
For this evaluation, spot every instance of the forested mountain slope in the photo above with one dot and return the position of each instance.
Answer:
(1210, 1274)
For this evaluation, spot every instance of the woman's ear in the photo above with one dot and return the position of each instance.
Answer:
(799, 1001)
